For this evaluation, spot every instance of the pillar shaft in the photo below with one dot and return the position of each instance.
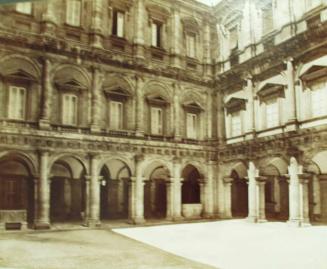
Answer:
(291, 89)
(97, 81)
(277, 194)
(316, 196)
(176, 113)
(46, 95)
(228, 197)
(43, 220)
(252, 194)
(176, 39)
(261, 211)
(139, 108)
(170, 200)
(94, 194)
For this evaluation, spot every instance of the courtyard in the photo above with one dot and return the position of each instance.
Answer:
(229, 244)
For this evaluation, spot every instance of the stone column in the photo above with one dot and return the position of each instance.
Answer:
(177, 113)
(170, 200)
(253, 174)
(292, 117)
(175, 49)
(251, 128)
(207, 49)
(208, 211)
(49, 21)
(261, 207)
(97, 24)
(137, 194)
(120, 196)
(97, 82)
(139, 107)
(152, 196)
(177, 181)
(298, 195)
(43, 215)
(316, 196)
(44, 122)
(94, 193)
(209, 116)
(277, 194)
(228, 181)
(221, 129)
(139, 30)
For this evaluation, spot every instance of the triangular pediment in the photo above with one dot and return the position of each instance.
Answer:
(157, 100)
(117, 93)
(193, 107)
(21, 74)
(235, 104)
(314, 72)
(271, 90)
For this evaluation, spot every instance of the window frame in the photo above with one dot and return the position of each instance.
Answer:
(12, 115)
(276, 117)
(20, 8)
(115, 23)
(120, 122)
(160, 127)
(238, 115)
(192, 134)
(191, 52)
(65, 119)
(70, 16)
(156, 40)
(322, 97)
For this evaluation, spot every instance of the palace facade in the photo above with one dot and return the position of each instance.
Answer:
(160, 109)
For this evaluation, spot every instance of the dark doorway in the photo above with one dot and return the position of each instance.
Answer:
(239, 196)
(191, 186)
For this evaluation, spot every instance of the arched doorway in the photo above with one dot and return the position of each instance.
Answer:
(114, 190)
(191, 192)
(67, 190)
(16, 191)
(155, 193)
(239, 196)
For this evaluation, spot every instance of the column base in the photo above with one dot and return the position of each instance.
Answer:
(177, 218)
(136, 221)
(139, 133)
(261, 220)
(298, 223)
(44, 124)
(42, 226)
(93, 223)
(208, 215)
(252, 219)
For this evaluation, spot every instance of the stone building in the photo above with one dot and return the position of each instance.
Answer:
(160, 109)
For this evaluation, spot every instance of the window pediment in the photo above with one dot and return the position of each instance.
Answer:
(123, 5)
(20, 75)
(157, 101)
(190, 25)
(158, 13)
(271, 91)
(313, 73)
(235, 104)
(118, 94)
(70, 85)
(192, 108)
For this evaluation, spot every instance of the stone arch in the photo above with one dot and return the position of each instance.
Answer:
(17, 189)
(12, 64)
(25, 157)
(106, 159)
(320, 159)
(115, 172)
(113, 81)
(66, 72)
(67, 187)
(191, 189)
(191, 96)
(239, 189)
(80, 158)
(155, 88)
(157, 174)
(276, 166)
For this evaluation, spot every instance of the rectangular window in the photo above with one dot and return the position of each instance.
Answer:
(272, 114)
(190, 45)
(233, 41)
(73, 13)
(25, 8)
(118, 23)
(17, 103)
(69, 115)
(236, 124)
(156, 34)
(156, 121)
(116, 115)
(191, 125)
(319, 99)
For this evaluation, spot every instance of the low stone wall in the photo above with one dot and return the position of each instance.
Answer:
(192, 211)
(13, 217)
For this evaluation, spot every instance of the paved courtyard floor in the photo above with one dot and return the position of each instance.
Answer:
(84, 249)
(237, 244)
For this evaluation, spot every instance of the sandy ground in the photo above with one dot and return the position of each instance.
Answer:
(84, 249)
(237, 244)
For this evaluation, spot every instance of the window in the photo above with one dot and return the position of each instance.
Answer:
(236, 124)
(190, 45)
(191, 126)
(233, 42)
(319, 99)
(118, 23)
(73, 15)
(17, 103)
(156, 34)
(116, 115)
(272, 114)
(25, 8)
(156, 121)
(69, 115)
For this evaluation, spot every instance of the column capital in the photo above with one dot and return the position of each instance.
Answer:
(228, 180)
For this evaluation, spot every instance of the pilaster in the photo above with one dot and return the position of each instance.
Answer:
(44, 122)
(228, 181)
(97, 82)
